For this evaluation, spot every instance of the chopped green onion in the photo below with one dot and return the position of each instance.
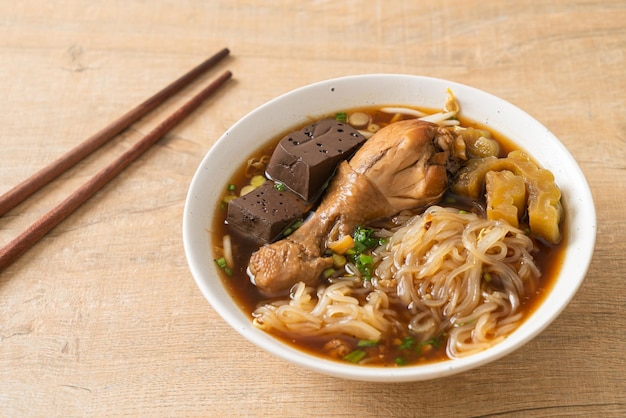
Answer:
(280, 187)
(359, 247)
(339, 260)
(231, 187)
(463, 212)
(365, 236)
(433, 341)
(487, 277)
(364, 239)
(292, 227)
(341, 116)
(329, 272)
(367, 343)
(400, 361)
(355, 356)
(407, 343)
(366, 259)
(365, 264)
(221, 262)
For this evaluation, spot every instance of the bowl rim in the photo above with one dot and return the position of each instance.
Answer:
(580, 247)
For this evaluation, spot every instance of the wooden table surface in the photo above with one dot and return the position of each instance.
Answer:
(102, 316)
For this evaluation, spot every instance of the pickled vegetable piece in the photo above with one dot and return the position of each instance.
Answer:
(544, 196)
(506, 196)
(478, 143)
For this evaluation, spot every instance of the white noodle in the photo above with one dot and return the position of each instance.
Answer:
(404, 110)
(228, 251)
(438, 117)
(437, 262)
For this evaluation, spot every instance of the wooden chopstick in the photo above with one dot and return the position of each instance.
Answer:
(35, 182)
(37, 230)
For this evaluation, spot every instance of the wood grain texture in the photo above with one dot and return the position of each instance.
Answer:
(102, 317)
(37, 181)
(56, 215)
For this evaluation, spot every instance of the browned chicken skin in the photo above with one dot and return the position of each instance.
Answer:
(403, 166)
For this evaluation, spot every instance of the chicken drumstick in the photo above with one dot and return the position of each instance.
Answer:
(402, 166)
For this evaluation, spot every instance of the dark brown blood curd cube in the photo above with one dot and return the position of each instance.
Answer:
(266, 211)
(305, 160)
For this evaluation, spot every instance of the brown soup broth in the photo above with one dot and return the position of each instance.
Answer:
(549, 258)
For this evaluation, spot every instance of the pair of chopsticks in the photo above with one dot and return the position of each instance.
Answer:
(19, 193)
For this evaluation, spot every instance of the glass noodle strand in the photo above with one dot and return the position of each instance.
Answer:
(452, 271)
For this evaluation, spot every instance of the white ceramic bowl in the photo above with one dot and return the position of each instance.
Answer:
(322, 98)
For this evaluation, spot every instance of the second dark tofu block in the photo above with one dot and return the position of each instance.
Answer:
(305, 160)
(266, 211)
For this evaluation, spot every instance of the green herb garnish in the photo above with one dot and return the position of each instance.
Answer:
(364, 239)
(367, 343)
(329, 272)
(433, 341)
(365, 264)
(355, 356)
(400, 361)
(407, 343)
(222, 264)
(292, 227)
